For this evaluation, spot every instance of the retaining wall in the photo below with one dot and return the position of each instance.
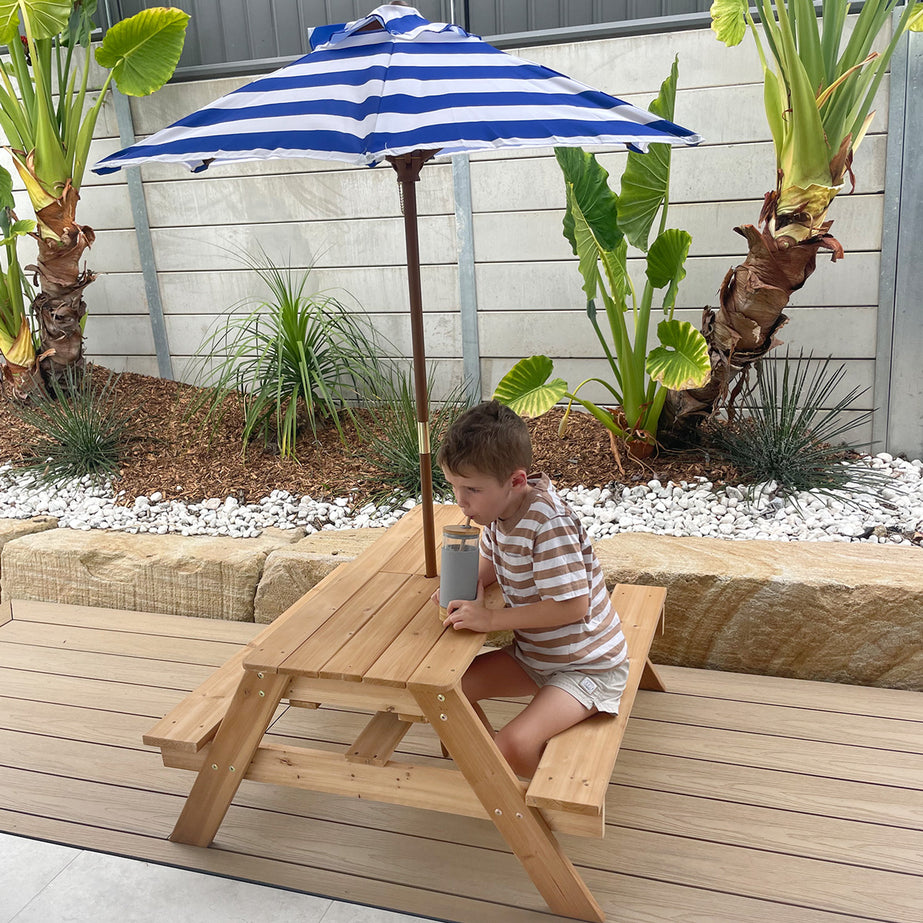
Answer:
(835, 612)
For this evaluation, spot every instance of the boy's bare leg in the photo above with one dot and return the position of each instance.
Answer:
(495, 674)
(551, 711)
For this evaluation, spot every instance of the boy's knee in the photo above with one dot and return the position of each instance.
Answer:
(521, 750)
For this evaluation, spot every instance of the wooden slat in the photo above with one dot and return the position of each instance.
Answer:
(373, 638)
(446, 662)
(576, 765)
(353, 695)
(340, 631)
(430, 789)
(394, 667)
(272, 646)
(190, 724)
(378, 740)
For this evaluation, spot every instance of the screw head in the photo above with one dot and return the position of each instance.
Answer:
(443, 717)
(440, 697)
(498, 812)
(214, 765)
(232, 769)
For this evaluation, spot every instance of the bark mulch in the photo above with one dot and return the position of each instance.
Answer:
(173, 454)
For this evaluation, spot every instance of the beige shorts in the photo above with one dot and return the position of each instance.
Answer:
(602, 691)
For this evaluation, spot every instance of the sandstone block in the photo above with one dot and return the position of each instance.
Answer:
(11, 529)
(202, 576)
(837, 612)
(291, 571)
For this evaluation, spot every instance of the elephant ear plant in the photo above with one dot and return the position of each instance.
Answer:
(600, 225)
(48, 116)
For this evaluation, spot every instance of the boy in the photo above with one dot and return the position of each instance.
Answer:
(568, 651)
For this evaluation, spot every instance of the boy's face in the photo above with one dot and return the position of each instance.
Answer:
(485, 499)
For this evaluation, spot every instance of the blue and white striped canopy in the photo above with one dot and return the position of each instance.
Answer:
(393, 83)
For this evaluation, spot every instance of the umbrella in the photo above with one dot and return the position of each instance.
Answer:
(395, 87)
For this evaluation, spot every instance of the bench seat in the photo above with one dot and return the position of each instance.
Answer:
(570, 784)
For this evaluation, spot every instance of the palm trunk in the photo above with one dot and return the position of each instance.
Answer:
(752, 299)
(59, 307)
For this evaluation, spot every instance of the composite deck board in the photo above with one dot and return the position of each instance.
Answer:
(798, 693)
(673, 814)
(734, 797)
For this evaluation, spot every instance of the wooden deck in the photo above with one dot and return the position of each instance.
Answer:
(734, 797)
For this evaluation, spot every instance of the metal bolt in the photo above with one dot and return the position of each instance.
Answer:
(259, 675)
(440, 697)
(443, 717)
(262, 694)
(214, 765)
(518, 815)
(498, 812)
(232, 769)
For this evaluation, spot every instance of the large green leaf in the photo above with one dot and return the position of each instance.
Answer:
(681, 361)
(47, 18)
(6, 189)
(585, 246)
(142, 52)
(588, 187)
(666, 262)
(647, 176)
(728, 22)
(526, 389)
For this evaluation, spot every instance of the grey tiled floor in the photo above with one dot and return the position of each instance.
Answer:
(46, 883)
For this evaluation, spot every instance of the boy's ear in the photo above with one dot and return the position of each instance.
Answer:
(519, 477)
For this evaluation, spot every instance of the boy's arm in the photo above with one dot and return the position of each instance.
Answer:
(486, 572)
(549, 613)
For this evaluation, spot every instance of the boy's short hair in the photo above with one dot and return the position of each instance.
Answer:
(489, 439)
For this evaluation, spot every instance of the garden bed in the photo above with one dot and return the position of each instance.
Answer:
(173, 455)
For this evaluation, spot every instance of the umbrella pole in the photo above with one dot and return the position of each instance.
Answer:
(408, 173)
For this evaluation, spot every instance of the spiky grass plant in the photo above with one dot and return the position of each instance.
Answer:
(295, 358)
(390, 441)
(83, 429)
(790, 435)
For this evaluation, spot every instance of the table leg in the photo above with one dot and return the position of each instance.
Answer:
(650, 679)
(503, 796)
(231, 751)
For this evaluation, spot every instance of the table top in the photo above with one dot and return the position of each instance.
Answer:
(372, 619)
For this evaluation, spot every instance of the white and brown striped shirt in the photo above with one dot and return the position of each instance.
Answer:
(544, 553)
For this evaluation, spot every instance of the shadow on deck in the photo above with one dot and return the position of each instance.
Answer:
(734, 797)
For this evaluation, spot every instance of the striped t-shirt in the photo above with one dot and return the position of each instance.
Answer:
(544, 553)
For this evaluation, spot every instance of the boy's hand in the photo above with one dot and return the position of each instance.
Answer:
(470, 613)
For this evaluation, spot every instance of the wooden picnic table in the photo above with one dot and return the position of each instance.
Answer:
(368, 636)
